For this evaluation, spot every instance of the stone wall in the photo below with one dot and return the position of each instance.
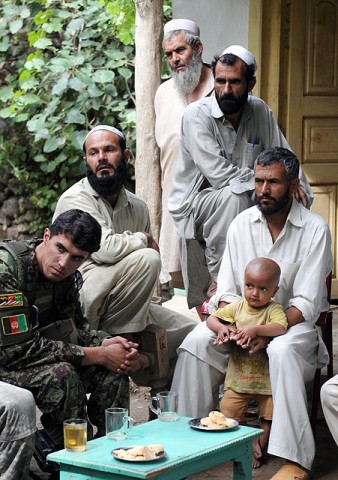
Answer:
(16, 214)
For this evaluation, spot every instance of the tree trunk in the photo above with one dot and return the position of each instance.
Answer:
(148, 65)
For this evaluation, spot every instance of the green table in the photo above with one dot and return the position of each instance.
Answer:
(188, 451)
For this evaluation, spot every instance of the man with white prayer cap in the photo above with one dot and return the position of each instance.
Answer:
(191, 79)
(221, 136)
(120, 278)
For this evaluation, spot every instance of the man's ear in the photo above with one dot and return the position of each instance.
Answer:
(199, 48)
(294, 185)
(251, 84)
(126, 154)
(46, 235)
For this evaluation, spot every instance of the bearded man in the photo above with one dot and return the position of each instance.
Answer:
(191, 79)
(221, 136)
(119, 279)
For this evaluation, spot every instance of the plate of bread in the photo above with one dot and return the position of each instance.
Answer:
(215, 421)
(139, 453)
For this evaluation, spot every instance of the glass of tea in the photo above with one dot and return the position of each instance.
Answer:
(75, 434)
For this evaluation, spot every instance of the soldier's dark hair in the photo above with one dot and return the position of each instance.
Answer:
(230, 59)
(80, 227)
(280, 155)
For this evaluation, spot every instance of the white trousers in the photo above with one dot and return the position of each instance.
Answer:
(329, 398)
(17, 428)
(293, 357)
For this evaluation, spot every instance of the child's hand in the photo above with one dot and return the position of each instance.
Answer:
(245, 335)
(225, 334)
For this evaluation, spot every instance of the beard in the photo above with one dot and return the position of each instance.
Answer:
(186, 81)
(108, 184)
(229, 104)
(277, 205)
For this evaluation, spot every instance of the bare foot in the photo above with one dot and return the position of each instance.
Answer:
(257, 454)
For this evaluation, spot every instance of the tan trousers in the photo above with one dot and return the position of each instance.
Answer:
(117, 298)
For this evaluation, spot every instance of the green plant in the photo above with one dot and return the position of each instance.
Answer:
(64, 67)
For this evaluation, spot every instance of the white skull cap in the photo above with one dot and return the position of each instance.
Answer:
(181, 24)
(243, 54)
(104, 127)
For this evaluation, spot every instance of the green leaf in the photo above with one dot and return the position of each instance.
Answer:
(60, 86)
(4, 44)
(10, 10)
(51, 145)
(103, 76)
(42, 43)
(6, 93)
(76, 84)
(75, 25)
(84, 77)
(25, 12)
(36, 123)
(125, 73)
(94, 91)
(15, 25)
(74, 116)
(40, 158)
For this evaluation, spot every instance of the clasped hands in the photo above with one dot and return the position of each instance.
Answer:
(121, 355)
(244, 337)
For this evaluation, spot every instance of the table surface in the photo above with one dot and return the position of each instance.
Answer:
(181, 443)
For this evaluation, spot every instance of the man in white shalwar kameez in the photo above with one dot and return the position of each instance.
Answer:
(191, 79)
(299, 241)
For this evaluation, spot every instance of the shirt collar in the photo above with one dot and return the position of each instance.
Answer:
(294, 216)
(122, 199)
(216, 112)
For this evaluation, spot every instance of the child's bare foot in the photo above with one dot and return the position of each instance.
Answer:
(257, 454)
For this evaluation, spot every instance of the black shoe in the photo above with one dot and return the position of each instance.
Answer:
(46, 443)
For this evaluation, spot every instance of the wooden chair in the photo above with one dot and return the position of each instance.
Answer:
(325, 323)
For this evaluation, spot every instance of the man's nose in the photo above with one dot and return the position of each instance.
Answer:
(63, 260)
(265, 187)
(175, 58)
(102, 155)
(227, 88)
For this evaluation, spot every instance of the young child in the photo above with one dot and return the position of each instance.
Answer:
(247, 374)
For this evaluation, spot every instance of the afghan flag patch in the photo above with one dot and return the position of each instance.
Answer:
(8, 300)
(14, 324)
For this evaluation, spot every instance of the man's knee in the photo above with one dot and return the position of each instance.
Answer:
(238, 202)
(147, 260)
(328, 394)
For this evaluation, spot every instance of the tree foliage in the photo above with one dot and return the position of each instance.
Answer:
(65, 66)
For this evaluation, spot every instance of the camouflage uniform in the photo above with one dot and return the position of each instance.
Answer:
(51, 369)
(17, 427)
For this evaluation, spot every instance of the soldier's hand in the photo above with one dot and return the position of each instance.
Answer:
(127, 344)
(115, 356)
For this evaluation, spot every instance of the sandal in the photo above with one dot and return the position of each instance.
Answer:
(291, 471)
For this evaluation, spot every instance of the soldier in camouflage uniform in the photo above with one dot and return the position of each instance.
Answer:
(41, 349)
(17, 427)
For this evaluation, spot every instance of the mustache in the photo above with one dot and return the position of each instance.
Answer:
(104, 164)
(226, 97)
(265, 196)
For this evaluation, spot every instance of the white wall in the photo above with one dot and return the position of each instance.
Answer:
(222, 22)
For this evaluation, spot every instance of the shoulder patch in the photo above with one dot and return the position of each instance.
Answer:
(8, 300)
